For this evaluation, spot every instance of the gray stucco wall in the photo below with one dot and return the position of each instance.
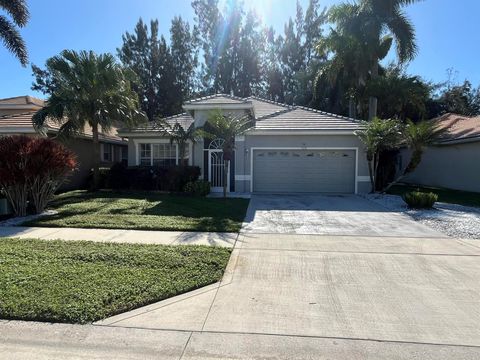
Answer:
(83, 149)
(244, 150)
(453, 167)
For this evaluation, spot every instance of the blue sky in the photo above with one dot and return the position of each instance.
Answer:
(447, 32)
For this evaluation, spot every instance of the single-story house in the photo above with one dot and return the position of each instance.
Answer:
(289, 149)
(16, 118)
(453, 162)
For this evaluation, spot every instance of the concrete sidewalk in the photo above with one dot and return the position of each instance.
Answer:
(31, 340)
(122, 236)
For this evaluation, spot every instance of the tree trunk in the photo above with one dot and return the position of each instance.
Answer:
(375, 176)
(372, 101)
(96, 158)
(352, 107)
(370, 172)
(225, 177)
(411, 166)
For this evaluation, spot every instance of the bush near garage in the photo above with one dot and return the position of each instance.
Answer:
(420, 200)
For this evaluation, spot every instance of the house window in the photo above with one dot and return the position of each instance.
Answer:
(145, 154)
(164, 154)
(124, 154)
(107, 153)
(158, 154)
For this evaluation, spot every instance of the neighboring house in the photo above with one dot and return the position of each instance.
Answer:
(289, 149)
(16, 118)
(453, 163)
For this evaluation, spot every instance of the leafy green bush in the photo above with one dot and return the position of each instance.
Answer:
(420, 200)
(156, 178)
(197, 188)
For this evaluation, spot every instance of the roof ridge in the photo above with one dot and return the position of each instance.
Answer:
(269, 101)
(279, 112)
(208, 97)
(327, 113)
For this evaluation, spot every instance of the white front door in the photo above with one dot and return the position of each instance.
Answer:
(216, 169)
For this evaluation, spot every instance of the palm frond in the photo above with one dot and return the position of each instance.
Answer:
(404, 33)
(17, 9)
(12, 40)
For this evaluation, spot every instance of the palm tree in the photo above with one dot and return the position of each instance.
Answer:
(88, 90)
(379, 135)
(417, 137)
(18, 11)
(181, 137)
(374, 22)
(226, 127)
(346, 66)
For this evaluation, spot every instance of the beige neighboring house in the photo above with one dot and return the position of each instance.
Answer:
(16, 118)
(290, 149)
(454, 162)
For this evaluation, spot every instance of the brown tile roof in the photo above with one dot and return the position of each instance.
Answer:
(22, 123)
(459, 127)
(22, 100)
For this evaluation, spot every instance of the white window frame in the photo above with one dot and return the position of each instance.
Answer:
(138, 142)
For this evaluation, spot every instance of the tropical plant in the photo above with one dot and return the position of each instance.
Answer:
(346, 68)
(378, 23)
(32, 167)
(226, 127)
(379, 135)
(181, 137)
(417, 137)
(18, 11)
(400, 95)
(87, 90)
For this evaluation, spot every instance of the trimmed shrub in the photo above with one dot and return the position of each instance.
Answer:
(420, 200)
(197, 188)
(172, 179)
(32, 166)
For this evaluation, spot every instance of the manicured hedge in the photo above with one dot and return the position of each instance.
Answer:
(172, 179)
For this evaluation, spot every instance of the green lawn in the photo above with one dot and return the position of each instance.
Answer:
(79, 282)
(144, 211)
(444, 195)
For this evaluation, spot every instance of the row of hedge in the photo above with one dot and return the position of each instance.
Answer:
(154, 178)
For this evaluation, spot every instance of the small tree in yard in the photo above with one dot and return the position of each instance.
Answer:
(13, 168)
(379, 135)
(32, 167)
(50, 164)
(417, 137)
(181, 137)
(226, 127)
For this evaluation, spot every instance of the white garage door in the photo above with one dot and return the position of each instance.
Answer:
(304, 171)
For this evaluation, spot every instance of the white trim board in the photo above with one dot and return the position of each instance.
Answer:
(252, 149)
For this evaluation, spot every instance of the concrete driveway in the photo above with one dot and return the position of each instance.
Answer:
(329, 215)
(335, 297)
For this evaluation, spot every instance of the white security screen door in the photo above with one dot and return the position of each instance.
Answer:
(216, 170)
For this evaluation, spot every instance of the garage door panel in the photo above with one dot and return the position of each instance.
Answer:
(327, 171)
